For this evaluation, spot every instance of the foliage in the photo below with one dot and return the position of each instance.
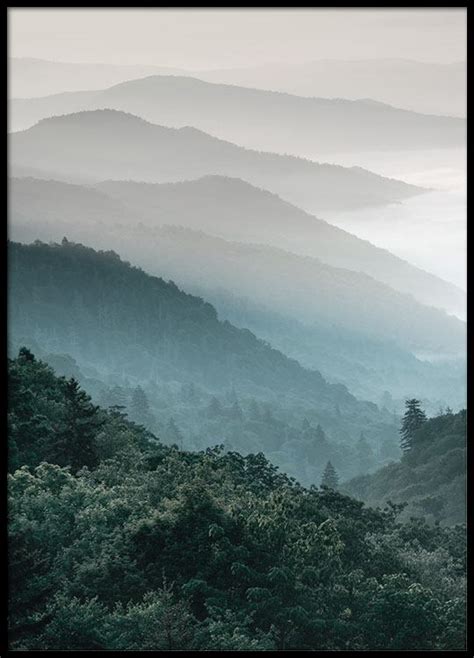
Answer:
(330, 478)
(156, 353)
(431, 476)
(412, 421)
(150, 547)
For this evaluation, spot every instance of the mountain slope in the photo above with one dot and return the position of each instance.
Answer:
(103, 309)
(107, 144)
(431, 477)
(178, 550)
(32, 77)
(299, 287)
(231, 209)
(429, 87)
(125, 329)
(375, 369)
(255, 118)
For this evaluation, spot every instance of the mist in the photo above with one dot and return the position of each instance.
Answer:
(237, 336)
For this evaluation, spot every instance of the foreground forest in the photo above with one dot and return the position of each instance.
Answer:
(120, 542)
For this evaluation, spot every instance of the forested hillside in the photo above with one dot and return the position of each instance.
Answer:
(310, 290)
(118, 542)
(224, 207)
(375, 369)
(431, 476)
(204, 380)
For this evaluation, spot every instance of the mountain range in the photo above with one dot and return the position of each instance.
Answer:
(302, 287)
(103, 144)
(228, 208)
(125, 325)
(255, 118)
(427, 87)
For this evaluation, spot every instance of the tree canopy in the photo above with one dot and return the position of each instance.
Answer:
(150, 547)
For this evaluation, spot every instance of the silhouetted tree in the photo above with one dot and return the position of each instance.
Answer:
(75, 442)
(140, 408)
(412, 421)
(330, 478)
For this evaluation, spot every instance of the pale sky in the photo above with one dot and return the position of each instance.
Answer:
(213, 38)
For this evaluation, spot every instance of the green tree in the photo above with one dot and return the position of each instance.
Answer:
(75, 443)
(330, 478)
(140, 408)
(413, 419)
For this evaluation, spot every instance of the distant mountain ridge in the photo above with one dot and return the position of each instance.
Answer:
(426, 87)
(71, 296)
(254, 118)
(229, 208)
(92, 146)
(302, 287)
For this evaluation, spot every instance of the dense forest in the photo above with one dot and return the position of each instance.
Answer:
(203, 381)
(120, 542)
(431, 476)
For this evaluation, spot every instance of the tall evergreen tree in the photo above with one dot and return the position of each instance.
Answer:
(412, 421)
(330, 477)
(75, 443)
(115, 397)
(140, 408)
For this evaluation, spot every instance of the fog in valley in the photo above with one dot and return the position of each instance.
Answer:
(246, 229)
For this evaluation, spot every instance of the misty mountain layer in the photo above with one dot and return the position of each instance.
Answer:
(427, 87)
(107, 144)
(301, 287)
(254, 118)
(227, 208)
(122, 323)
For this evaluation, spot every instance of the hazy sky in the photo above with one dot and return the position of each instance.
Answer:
(210, 38)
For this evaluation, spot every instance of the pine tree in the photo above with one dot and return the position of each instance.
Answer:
(140, 409)
(75, 442)
(330, 478)
(115, 398)
(412, 421)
